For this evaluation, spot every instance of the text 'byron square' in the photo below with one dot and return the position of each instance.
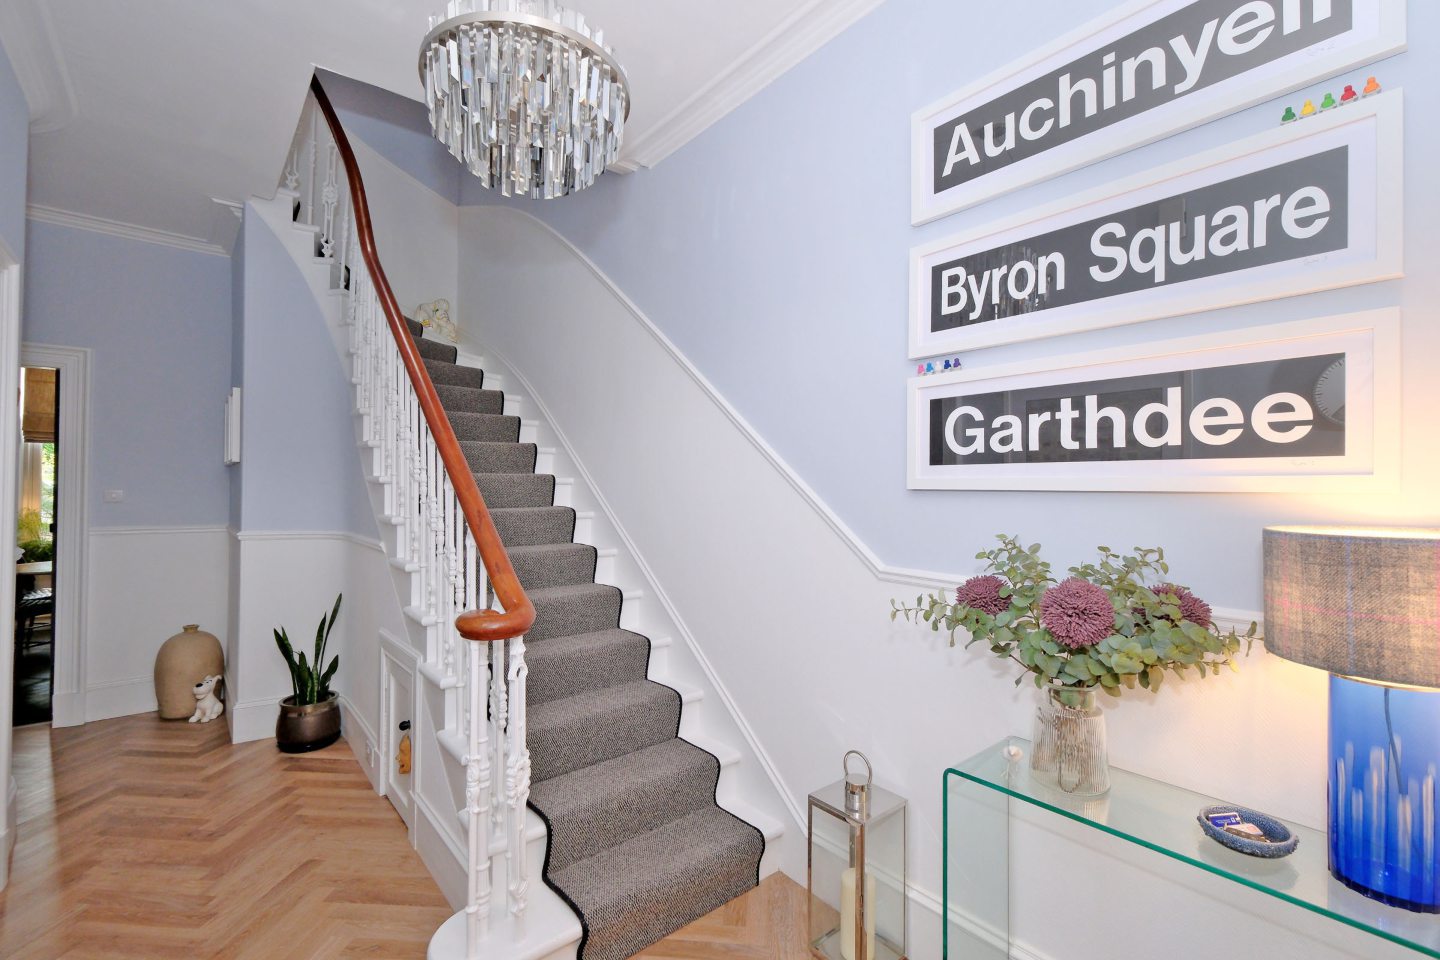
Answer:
(1286, 212)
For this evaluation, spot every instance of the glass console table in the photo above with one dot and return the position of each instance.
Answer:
(979, 795)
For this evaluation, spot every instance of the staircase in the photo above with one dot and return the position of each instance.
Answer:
(638, 845)
(560, 748)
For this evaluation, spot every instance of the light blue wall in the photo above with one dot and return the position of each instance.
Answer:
(237, 360)
(14, 150)
(158, 321)
(301, 462)
(773, 251)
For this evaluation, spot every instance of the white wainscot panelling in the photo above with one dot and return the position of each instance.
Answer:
(290, 579)
(143, 585)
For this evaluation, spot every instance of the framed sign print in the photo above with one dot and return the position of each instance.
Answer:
(1311, 205)
(1307, 406)
(1146, 71)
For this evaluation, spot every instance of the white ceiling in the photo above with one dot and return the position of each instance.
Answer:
(145, 110)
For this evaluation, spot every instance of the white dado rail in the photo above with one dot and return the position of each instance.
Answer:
(484, 682)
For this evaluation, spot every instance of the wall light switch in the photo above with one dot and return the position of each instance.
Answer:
(114, 496)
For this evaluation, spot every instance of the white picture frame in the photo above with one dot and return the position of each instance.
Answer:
(1378, 30)
(1373, 132)
(1370, 463)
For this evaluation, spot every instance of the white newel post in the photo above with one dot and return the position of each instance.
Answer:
(477, 797)
(517, 781)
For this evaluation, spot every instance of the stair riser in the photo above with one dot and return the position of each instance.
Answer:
(560, 619)
(470, 400)
(613, 820)
(557, 527)
(559, 568)
(431, 350)
(500, 457)
(624, 915)
(505, 490)
(559, 748)
(554, 678)
(485, 428)
(454, 375)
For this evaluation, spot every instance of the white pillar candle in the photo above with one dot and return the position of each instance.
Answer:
(848, 907)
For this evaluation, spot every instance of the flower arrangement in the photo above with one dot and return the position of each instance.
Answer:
(1114, 624)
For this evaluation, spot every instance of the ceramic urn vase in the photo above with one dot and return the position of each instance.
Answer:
(184, 660)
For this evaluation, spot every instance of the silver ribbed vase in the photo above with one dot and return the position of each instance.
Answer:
(1069, 742)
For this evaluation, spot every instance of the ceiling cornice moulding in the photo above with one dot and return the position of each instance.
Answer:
(126, 231)
(799, 36)
(29, 41)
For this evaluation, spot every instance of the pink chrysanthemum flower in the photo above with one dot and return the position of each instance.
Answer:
(1192, 608)
(983, 594)
(1077, 613)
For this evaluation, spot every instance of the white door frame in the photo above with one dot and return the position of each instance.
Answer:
(72, 527)
(9, 507)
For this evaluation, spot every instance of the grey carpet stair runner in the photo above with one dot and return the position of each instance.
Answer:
(638, 845)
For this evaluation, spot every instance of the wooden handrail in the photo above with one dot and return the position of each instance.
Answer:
(484, 626)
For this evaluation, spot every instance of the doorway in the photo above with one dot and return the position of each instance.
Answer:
(36, 563)
(57, 497)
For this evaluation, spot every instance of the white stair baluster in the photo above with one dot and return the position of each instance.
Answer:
(485, 709)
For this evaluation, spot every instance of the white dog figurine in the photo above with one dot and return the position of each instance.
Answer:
(207, 705)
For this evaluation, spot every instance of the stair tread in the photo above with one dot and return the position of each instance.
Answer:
(470, 399)
(500, 456)
(460, 390)
(516, 489)
(569, 591)
(637, 892)
(596, 639)
(598, 724)
(622, 698)
(448, 372)
(564, 666)
(665, 845)
(434, 350)
(608, 779)
(532, 525)
(484, 427)
(537, 549)
(609, 802)
(554, 564)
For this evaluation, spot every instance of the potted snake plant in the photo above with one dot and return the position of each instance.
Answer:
(310, 716)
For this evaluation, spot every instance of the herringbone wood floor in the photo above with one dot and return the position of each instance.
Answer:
(146, 840)
(149, 840)
(768, 923)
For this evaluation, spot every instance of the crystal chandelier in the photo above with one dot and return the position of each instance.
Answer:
(525, 93)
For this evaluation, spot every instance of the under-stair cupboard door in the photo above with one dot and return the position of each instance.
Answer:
(397, 691)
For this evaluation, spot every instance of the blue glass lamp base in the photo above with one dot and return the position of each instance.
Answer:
(1384, 808)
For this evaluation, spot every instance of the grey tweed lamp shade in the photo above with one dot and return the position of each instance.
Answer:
(1360, 602)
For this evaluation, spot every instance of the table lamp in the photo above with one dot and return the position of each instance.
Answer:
(1364, 605)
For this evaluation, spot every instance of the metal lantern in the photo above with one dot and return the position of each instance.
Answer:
(858, 901)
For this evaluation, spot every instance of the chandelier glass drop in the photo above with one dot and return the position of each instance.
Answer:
(525, 93)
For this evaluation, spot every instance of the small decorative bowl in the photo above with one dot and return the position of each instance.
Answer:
(1282, 841)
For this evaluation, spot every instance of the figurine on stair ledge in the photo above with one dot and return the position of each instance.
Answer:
(436, 315)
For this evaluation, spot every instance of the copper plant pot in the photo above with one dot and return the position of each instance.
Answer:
(313, 726)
